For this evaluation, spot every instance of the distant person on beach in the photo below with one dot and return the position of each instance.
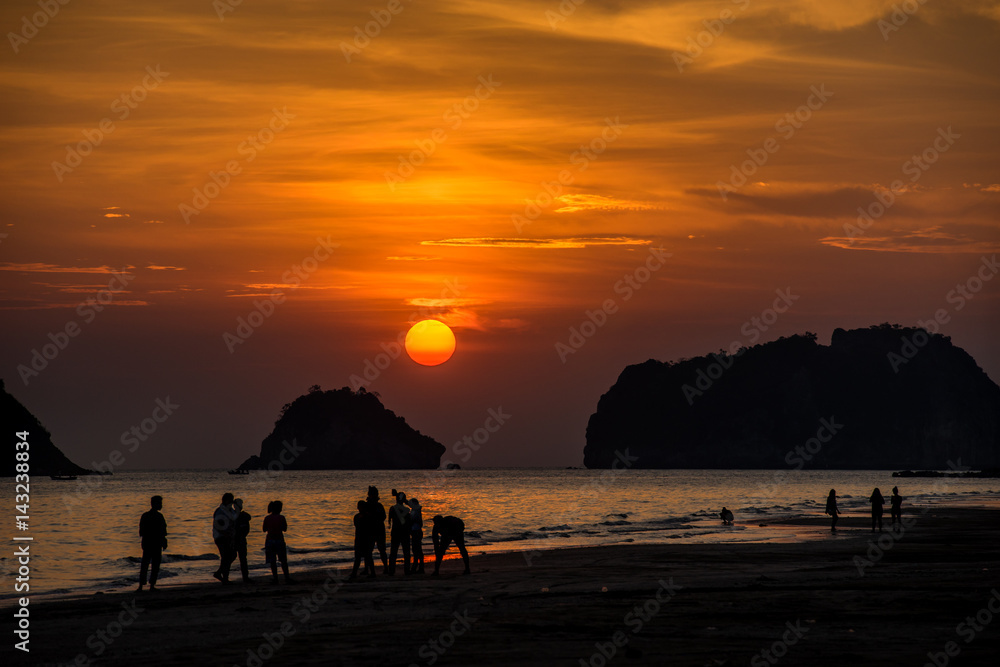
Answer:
(242, 531)
(831, 508)
(877, 502)
(399, 532)
(274, 544)
(416, 536)
(224, 534)
(153, 536)
(375, 512)
(363, 543)
(896, 506)
(726, 516)
(446, 529)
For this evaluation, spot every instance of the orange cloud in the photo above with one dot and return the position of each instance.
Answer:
(553, 243)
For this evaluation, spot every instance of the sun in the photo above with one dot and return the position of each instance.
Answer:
(430, 342)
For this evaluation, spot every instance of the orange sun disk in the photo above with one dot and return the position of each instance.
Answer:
(430, 342)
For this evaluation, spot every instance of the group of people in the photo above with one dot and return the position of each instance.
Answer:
(231, 527)
(877, 501)
(406, 530)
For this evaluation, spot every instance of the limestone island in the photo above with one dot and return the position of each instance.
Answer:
(343, 430)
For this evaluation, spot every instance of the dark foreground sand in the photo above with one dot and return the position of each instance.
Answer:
(722, 605)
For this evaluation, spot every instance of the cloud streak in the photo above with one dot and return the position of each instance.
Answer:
(539, 243)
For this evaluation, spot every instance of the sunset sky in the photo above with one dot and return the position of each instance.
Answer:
(501, 166)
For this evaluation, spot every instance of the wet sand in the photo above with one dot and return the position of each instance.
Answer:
(805, 601)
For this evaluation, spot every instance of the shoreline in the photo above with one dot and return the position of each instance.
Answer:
(723, 601)
(749, 529)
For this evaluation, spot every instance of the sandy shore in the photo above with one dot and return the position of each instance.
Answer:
(805, 602)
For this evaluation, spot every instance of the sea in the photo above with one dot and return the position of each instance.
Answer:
(84, 533)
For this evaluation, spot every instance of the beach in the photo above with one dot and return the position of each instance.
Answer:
(856, 598)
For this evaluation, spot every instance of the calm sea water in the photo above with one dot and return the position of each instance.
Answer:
(86, 532)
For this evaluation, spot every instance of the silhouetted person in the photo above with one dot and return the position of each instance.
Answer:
(831, 508)
(416, 536)
(446, 529)
(224, 534)
(375, 512)
(877, 502)
(242, 531)
(363, 542)
(399, 532)
(726, 516)
(896, 506)
(153, 536)
(274, 543)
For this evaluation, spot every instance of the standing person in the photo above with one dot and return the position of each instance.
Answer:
(363, 542)
(877, 502)
(446, 529)
(224, 534)
(242, 531)
(416, 536)
(375, 512)
(153, 534)
(831, 508)
(399, 532)
(274, 544)
(896, 506)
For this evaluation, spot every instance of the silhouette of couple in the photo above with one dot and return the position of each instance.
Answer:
(405, 530)
(895, 507)
(230, 529)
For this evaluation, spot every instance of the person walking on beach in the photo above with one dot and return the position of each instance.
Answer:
(242, 531)
(831, 509)
(375, 512)
(446, 529)
(416, 536)
(896, 506)
(877, 502)
(399, 533)
(274, 543)
(224, 534)
(153, 536)
(363, 542)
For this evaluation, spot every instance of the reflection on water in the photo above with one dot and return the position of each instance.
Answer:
(86, 532)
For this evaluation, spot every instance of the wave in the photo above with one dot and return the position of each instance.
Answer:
(168, 558)
(179, 558)
(520, 537)
(672, 520)
(318, 550)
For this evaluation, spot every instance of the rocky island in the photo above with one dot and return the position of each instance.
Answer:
(45, 458)
(885, 397)
(343, 430)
